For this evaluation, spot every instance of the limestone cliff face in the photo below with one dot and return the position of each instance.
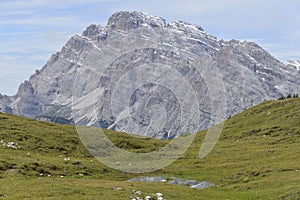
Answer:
(141, 75)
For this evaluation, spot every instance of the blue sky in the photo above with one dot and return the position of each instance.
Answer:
(32, 30)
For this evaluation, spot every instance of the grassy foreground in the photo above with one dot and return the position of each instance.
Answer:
(257, 157)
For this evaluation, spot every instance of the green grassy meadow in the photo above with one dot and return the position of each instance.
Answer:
(256, 157)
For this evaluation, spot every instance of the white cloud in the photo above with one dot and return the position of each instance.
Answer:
(287, 55)
(13, 72)
(21, 4)
(295, 34)
(189, 7)
(44, 20)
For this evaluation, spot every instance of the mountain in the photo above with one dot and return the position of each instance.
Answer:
(140, 74)
(293, 63)
(256, 157)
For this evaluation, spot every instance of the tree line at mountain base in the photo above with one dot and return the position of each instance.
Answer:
(289, 96)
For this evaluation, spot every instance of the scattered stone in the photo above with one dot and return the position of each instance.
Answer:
(203, 185)
(159, 194)
(139, 193)
(11, 145)
(67, 159)
(147, 197)
(118, 189)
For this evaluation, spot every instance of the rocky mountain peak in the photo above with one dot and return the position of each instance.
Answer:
(92, 30)
(144, 76)
(185, 26)
(26, 88)
(125, 20)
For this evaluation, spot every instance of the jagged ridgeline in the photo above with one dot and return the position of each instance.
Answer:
(140, 74)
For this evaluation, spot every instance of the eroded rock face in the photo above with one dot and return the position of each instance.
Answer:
(293, 63)
(141, 75)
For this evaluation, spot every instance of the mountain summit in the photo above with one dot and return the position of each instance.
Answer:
(141, 75)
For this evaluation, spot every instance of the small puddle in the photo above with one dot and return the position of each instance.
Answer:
(175, 181)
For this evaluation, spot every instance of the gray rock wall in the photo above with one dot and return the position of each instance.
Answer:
(141, 75)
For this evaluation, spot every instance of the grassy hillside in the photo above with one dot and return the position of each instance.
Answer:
(257, 157)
